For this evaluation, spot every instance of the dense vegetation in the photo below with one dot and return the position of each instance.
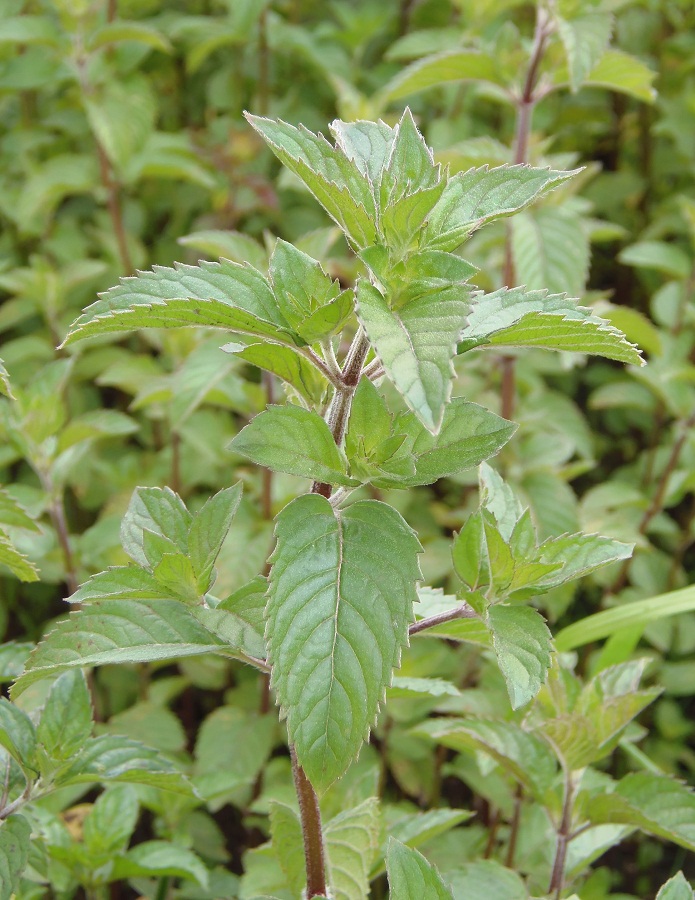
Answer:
(146, 475)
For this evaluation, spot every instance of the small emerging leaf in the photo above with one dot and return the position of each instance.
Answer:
(411, 876)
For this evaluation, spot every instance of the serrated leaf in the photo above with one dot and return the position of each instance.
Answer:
(112, 758)
(333, 179)
(15, 561)
(411, 876)
(523, 318)
(286, 364)
(121, 583)
(160, 859)
(453, 65)
(286, 835)
(626, 74)
(5, 389)
(411, 165)
(293, 440)
(585, 38)
(550, 250)
(208, 530)
(114, 631)
(416, 345)
(522, 754)
(580, 554)
(17, 734)
(523, 646)
(676, 888)
(299, 282)
(367, 144)
(469, 434)
(473, 198)
(352, 839)
(341, 592)
(156, 512)
(122, 30)
(15, 834)
(218, 295)
(66, 720)
(654, 803)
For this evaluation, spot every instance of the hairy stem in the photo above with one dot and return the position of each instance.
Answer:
(309, 812)
(310, 816)
(463, 611)
(564, 834)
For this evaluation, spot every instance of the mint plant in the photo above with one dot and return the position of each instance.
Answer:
(331, 620)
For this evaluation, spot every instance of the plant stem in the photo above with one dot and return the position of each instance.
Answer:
(524, 114)
(310, 816)
(463, 611)
(113, 203)
(309, 812)
(564, 832)
(56, 511)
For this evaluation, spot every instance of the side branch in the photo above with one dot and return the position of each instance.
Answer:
(463, 611)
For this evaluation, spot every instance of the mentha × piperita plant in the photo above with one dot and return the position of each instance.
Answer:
(331, 620)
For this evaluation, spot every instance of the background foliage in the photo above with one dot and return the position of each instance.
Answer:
(123, 146)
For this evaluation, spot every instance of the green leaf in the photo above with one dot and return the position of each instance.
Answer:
(341, 592)
(112, 758)
(121, 583)
(676, 888)
(486, 878)
(218, 295)
(469, 435)
(367, 144)
(157, 512)
(13, 657)
(15, 834)
(28, 29)
(523, 647)
(585, 38)
(122, 30)
(432, 71)
(580, 554)
(122, 117)
(659, 255)
(625, 74)
(333, 179)
(637, 614)
(113, 631)
(421, 687)
(293, 440)
(473, 198)
(411, 876)
(66, 720)
(299, 282)
(352, 839)
(15, 561)
(17, 734)
(550, 250)
(5, 382)
(286, 364)
(416, 345)
(286, 834)
(110, 823)
(208, 530)
(654, 803)
(160, 859)
(521, 318)
(522, 754)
